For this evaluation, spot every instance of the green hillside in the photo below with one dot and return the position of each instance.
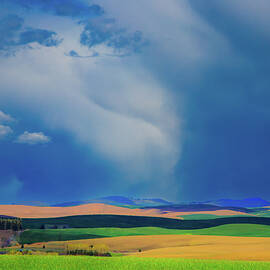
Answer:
(37, 235)
(207, 216)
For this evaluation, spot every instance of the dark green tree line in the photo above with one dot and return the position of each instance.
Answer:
(14, 224)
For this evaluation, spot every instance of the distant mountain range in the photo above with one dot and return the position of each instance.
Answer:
(150, 207)
(120, 201)
(249, 202)
(161, 203)
(154, 202)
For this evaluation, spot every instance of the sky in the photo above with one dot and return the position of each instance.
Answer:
(145, 98)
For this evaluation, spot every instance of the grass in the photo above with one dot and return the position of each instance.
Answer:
(244, 230)
(8, 262)
(205, 216)
(34, 236)
(263, 214)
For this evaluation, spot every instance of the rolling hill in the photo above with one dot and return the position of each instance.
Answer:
(181, 246)
(24, 211)
(41, 235)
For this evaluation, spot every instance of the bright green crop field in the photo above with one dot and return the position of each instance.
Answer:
(37, 235)
(207, 216)
(28, 262)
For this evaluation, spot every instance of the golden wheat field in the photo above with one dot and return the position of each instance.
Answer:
(181, 246)
(24, 211)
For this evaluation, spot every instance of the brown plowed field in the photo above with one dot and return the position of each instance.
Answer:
(23, 211)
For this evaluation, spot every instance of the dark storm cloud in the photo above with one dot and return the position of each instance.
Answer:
(9, 28)
(13, 35)
(213, 58)
(246, 27)
(106, 32)
(227, 112)
(96, 31)
(74, 54)
(71, 8)
(41, 36)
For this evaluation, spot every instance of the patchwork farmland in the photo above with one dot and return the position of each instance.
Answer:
(148, 232)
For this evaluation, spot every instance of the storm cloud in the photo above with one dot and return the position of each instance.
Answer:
(184, 114)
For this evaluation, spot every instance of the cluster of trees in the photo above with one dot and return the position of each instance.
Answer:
(14, 224)
(84, 249)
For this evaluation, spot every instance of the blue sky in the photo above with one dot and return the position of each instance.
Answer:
(138, 98)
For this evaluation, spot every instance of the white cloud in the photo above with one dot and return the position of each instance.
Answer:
(33, 138)
(175, 31)
(5, 117)
(118, 107)
(4, 131)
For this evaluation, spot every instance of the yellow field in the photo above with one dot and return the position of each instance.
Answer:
(182, 246)
(24, 211)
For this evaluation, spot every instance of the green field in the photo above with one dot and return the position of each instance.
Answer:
(19, 262)
(207, 216)
(247, 230)
(263, 214)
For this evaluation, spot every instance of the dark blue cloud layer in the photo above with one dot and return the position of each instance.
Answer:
(226, 144)
(96, 31)
(227, 119)
(74, 54)
(106, 32)
(53, 172)
(13, 35)
(247, 41)
(41, 36)
(9, 28)
(50, 173)
(71, 8)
